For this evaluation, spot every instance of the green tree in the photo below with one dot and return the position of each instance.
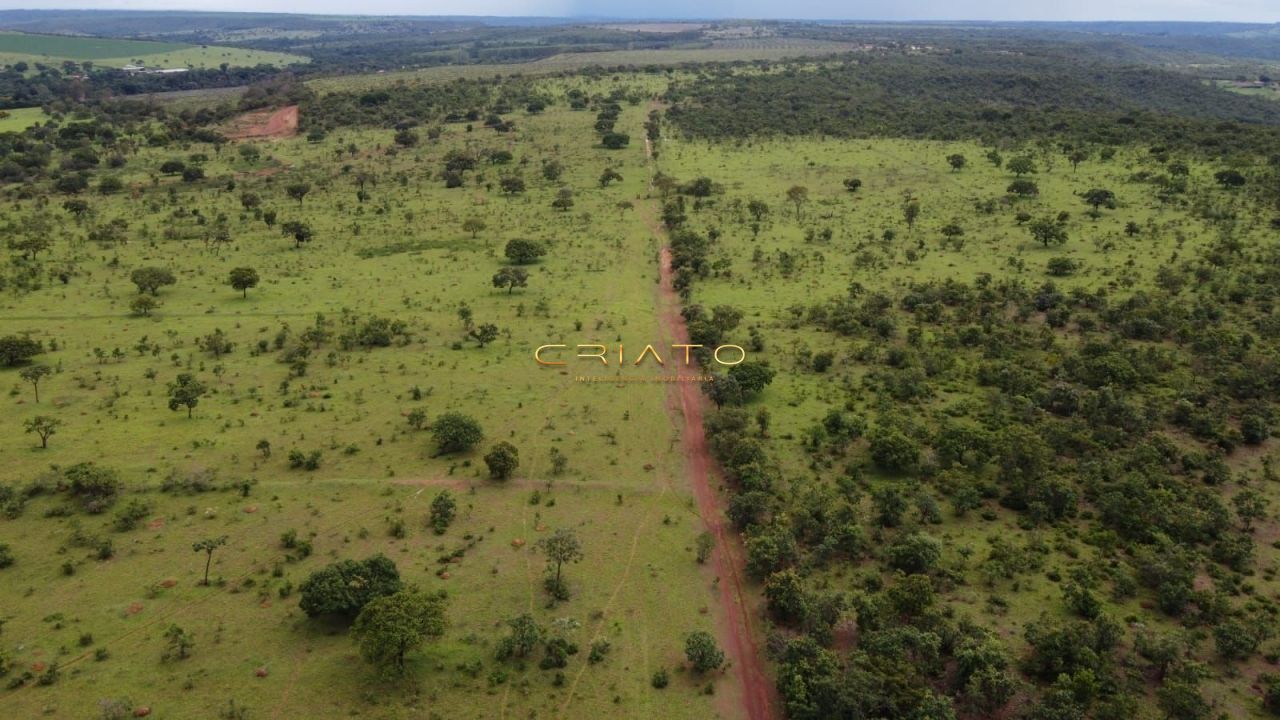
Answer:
(455, 432)
(18, 349)
(443, 509)
(561, 548)
(243, 278)
(345, 587)
(474, 226)
(511, 278)
(798, 195)
(524, 252)
(484, 334)
(502, 460)
(44, 426)
(524, 638)
(299, 231)
(703, 653)
(1048, 231)
(956, 161)
(151, 279)
(1022, 165)
(298, 191)
(1099, 197)
(178, 643)
(34, 374)
(388, 627)
(143, 305)
(186, 391)
(208, 546)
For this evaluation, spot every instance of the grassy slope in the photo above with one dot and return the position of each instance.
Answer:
(111, 52)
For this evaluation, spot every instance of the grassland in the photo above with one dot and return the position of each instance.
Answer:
(115, 52)
(727, 51)
(19, 119)
(639, 586)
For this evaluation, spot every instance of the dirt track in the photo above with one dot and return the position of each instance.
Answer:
(685, 403)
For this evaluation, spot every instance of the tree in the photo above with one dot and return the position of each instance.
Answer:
(388, 627)
(758, 209)
(243, 278)
(18, 349)
(44, 426)
(484, 334)
(798, 195)
(192, 174)
(1229, 179)
(702, 651)
(1024, 188)
(443, 509)
(151, 279)
(172, 167)
(525, 636)
(512, 185)
(853, 185)
(552, 169)
(615, 140)
(502, 460)
(143, 305)
(1022, 165)
(953, 234)
(300, 231)
(511, 278)
(455, 432)
(474, 226)
(524, 252)
(564, 200)
(406, 138)
(910, 212)
(956, 161)
(1048, 231)
(914, 553)
(752, 377)
(207, 546)
(1076, 157)
(298, 191)
(1098, 197)
(178, 643)
(345, 587)
(561, 548)
(609, 175)
(185, 391)
(34, 374)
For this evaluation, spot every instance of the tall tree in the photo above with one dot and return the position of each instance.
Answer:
(389, 627)
(34, 374)
(208, 546)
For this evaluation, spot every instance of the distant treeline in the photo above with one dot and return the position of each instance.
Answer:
(998, 97)
(19, 87)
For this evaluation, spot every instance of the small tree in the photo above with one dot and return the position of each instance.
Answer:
(1022, 165)
(702, 651)
(298, 191)
(524, 252)
(561, 548)
(911, 212)
(151, 279)
(502, 459)
(207, 546)
(484, 334)
(243, 278)
(178, 643)
(443, 509)
(475, 226)
(1099, 197)
(143, 305)
(18, 349)
(455, 432)
(186, 392)
(299, 231)
(956, 161)
(511, 278)
(389, 627)
(34, 374)
(798, 195)
(44, 426)
(608, 176)
(1048, 231)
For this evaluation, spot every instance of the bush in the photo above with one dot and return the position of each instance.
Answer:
(502, 460)
(345, 587)
(6, 556)
(660, 679)
(455, 432)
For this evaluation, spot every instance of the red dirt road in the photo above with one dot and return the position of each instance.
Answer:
(264, 124)
(685, 401)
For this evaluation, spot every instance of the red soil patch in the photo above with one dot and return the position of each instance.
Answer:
(156, 524)
(264, 124)
(135, 608)
(168, 583)
(38, 667)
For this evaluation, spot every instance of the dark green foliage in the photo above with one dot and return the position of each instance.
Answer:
(345, 587)
(502, 460)
(455, 432)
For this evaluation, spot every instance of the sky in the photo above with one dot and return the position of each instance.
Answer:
(1188, 10)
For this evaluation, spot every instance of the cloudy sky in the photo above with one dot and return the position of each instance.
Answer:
(1232, 10)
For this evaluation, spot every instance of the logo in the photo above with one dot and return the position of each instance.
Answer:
(682, 353)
